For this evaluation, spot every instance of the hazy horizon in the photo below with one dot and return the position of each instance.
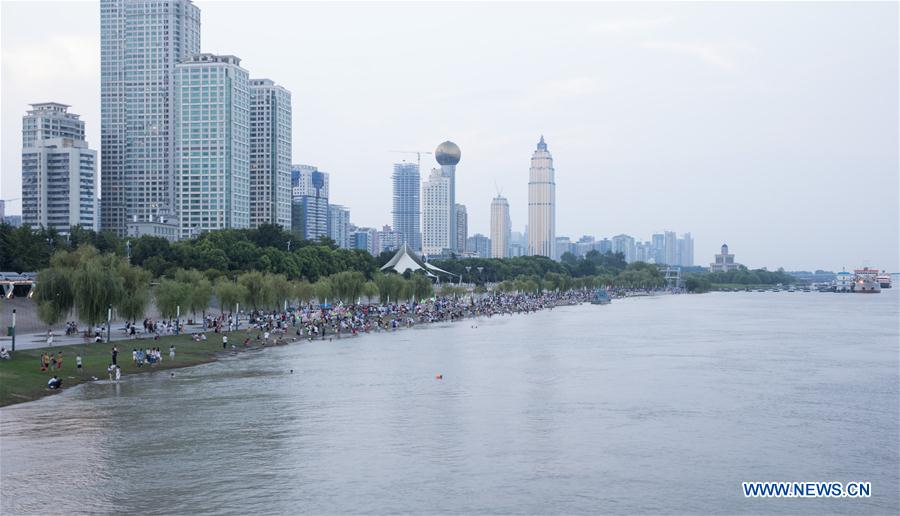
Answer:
(770, 126)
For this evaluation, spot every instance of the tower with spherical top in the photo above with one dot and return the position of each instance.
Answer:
(447, 155)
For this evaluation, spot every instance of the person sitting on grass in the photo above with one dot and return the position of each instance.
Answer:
(4, 355)
(54, 383)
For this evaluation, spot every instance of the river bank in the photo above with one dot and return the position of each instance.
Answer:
(22, 380)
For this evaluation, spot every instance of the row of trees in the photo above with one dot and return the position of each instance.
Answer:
(87, 282)
(265, 249)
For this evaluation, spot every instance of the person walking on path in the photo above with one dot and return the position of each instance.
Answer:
(49, 338)
(172, 352)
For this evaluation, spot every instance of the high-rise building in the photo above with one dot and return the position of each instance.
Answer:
(541, 203)
(624, 244)
(462, 228)
(407, 211)
(671, 248)
(604, 246)
(339, 225)
(212, 151)
(686, 250)
(564, 245)
(270, 154)
(141, 41)
(501, 226)
(447, 155)
(389, 239)
(436, 211)
(365, 239)
(59, 171)
(479, 245)
(309, 202)
(658, 247)
(518, 244)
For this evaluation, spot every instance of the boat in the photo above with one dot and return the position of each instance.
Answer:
(843, 282)
(884, 280)
(600, 297)
(866, 281)
(864, 285)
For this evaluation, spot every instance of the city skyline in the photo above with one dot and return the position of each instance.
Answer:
(733, 177)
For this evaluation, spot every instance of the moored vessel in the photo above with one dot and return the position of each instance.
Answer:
(600, 297)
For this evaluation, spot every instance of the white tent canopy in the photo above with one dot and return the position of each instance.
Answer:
(406, 260)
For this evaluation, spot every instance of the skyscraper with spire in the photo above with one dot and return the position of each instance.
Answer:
(541, 203)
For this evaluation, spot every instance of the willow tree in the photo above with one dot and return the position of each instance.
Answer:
(348, 285)
(304, 291)
(170, 295)
(136, 291)
(324, 290)
(255, 284)
(200, 289)
(278, 289)
(97, 288)
(54, 294)
(229, 294)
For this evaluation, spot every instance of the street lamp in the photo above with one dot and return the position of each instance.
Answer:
(14, 330)
(108, 324)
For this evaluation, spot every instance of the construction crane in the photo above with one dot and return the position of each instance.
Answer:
(417, 153)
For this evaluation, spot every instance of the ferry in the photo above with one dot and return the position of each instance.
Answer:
(866, 281)
(843, 282)
(884, 280)
(600, 297)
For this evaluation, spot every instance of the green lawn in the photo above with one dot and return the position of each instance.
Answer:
(21, 378)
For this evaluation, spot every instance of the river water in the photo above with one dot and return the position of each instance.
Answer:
(661, 404)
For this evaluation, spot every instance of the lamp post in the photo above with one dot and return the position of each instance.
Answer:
(128, 249)
(177, 318)
(14, 330)
(108, 323)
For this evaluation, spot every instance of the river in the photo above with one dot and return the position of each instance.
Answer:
(662, 404)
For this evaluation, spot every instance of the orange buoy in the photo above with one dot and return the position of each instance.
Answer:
(438, 377)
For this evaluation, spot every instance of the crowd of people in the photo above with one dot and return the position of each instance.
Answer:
(316, 322)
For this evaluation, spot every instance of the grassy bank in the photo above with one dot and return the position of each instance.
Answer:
(21, 378)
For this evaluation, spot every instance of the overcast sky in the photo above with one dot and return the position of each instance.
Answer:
(772, 127)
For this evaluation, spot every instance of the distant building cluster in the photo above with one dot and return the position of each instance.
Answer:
(191, 142)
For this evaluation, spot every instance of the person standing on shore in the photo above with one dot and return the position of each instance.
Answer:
(78, 362)
(59, 360)
(115, 354)
(118, 373)
(172, 352)
(224, 341)
(49, 338)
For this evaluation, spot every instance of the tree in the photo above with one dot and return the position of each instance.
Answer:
(370, 290)
(96, 289)
(348, 285)
(420, 287)
(200, 290)
(229, 293)
(54, 294)
(324, 290)
(170, 295)
(255, 284)
(279, 289)
(136, 291)
(390, 286)
(304, 291)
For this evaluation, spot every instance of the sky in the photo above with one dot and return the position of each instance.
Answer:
(772, 127)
